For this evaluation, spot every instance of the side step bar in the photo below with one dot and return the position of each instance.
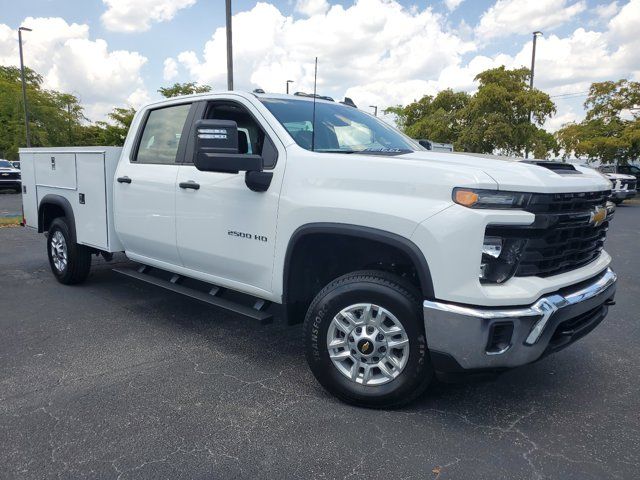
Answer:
(212, 298)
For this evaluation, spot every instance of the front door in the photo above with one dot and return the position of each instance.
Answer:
(145, 187)
(225, 231)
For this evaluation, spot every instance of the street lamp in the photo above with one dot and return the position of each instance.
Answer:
(288, 82)
(229, 49)
(375, 110)
(24, 86)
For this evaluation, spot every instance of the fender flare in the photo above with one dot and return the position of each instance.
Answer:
(60, 201)
(392, 239)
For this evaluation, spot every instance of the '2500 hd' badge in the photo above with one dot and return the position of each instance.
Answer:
(249, 236)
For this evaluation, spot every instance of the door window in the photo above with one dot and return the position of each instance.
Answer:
(161, 135)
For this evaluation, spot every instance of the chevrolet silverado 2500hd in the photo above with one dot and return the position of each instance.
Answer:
(401, 262)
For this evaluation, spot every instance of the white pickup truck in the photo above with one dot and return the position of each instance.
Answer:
(401, 262)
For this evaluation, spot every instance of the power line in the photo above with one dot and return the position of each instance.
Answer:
(573, 94)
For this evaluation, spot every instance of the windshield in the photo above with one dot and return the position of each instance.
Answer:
(5, 164)
(339, 128)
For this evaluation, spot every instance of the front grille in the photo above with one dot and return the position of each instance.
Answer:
(629, 184)
(9, 175)
(562, 237)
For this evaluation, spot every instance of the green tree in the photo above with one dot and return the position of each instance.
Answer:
(497, 116)
(183, 89)
(437, 118)
(54, 118)
(610, 131)
(115, 131)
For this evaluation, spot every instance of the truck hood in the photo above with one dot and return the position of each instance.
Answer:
(516, 175)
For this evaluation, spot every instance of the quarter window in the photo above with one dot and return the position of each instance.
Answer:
(161, 134)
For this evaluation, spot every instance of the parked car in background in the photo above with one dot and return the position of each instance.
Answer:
(435, 146)
(624, 185)
(10, 176)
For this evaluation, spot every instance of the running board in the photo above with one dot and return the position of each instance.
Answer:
(212, 298)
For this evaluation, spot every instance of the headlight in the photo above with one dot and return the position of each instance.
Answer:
(500, 258)
(477, 198)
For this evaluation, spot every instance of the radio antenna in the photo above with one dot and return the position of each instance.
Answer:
(313, 118)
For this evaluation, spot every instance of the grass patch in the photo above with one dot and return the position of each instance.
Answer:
(13, 221)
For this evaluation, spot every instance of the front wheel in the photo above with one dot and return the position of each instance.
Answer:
(70, 262)
(365, 340)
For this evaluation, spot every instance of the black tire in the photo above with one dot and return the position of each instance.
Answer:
(392, 293)
(78, 256)
(618, 202)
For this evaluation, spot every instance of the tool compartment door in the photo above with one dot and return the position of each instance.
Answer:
(90, 206)
(56, 170)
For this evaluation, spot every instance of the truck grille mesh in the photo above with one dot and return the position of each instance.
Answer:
(562, 237)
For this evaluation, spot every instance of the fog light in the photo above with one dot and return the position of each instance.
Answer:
(500, 258)
(492, 246)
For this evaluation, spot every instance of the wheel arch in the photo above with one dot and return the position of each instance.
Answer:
(50, 208)
(369, 235)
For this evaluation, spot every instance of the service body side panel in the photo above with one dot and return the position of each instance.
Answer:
(29, 196)
(80, 175)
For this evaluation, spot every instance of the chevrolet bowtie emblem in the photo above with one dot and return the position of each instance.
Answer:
(598, 216)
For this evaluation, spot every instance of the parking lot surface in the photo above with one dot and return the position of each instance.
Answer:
(117, 379)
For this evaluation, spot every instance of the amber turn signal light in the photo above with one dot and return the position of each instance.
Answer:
(465, 197)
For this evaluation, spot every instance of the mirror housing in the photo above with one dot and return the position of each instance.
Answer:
(216, 149)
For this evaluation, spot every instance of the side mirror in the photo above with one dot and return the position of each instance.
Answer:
(216, 149)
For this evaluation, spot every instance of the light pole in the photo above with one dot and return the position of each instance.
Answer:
(24, 86)
(288, 82)
(375, 110)
(229, 48)
(536, 34)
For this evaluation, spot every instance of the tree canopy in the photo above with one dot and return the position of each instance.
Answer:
(183, 89)
(494, 119)
(610, 131)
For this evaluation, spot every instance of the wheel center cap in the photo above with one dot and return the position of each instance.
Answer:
(365, 346)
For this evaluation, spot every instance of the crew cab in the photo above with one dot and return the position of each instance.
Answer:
(402, 263)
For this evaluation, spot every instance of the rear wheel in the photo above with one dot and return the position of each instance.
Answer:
(70, 262)
(365, 340)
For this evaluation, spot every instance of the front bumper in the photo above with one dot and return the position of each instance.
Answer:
(464, 337)
(623, 194)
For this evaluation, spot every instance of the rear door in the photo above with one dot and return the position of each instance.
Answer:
(224, 230)
(145, 187)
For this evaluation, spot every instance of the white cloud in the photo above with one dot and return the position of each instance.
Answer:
(507, 17)
(607, 11)
(373, 45)
(312, 7)
(170, 70)
(452, 4)
(137, 15)
(71, 62)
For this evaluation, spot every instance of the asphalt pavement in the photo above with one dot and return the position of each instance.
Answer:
(117, 379)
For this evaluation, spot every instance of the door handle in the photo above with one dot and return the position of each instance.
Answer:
(190, 184)
(124, 180)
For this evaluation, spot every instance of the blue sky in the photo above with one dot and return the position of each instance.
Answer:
(383, 52)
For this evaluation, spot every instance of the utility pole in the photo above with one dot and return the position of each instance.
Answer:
(24, 87)
(375, 110)
(229, 49)
(533, 57)
(288, 82)
(533, 68)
